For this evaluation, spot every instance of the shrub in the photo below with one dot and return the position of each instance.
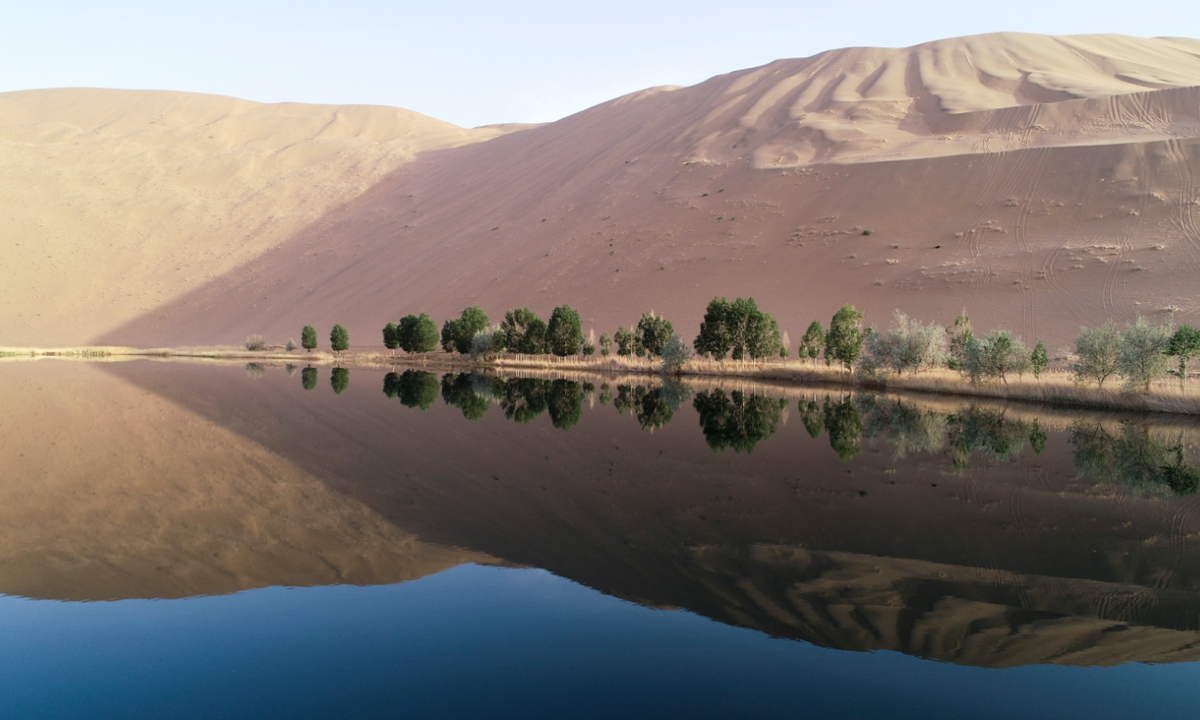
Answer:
(1142, 356)
(488, 343)
(255, 342)
(675, 354)
(844, 340)
(339, 339)
(1097, 349)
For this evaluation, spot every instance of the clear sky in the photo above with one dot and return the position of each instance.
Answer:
(474, 62)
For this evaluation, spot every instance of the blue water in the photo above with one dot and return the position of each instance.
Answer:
(482, 642)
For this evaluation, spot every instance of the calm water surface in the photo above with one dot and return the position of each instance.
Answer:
(211, 541)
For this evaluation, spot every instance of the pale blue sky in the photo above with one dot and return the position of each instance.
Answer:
(473, 62)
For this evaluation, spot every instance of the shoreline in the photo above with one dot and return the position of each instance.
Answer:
(1055, 388)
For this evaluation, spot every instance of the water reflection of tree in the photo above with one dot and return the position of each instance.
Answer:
(414, 388)
(308, 378)
(812, 417)
(844, 423)
(997, 437)
(1132, 457)
(459, 390)
(652, 406)
(906, 426)
(739, 421)
(565, 401)
(339, 380)
(523, 399)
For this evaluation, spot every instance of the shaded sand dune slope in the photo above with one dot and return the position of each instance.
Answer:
(114, 202)
(1040, 183)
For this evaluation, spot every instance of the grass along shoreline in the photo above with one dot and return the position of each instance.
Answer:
(1056, 386)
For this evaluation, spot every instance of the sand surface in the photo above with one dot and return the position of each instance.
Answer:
(113, 203)
(1040, 183)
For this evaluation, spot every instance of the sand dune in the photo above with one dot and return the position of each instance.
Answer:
(1041, 183)
(115, 202)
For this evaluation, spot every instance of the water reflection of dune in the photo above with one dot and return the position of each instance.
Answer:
(1006, 559)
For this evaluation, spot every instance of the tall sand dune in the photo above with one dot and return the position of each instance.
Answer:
(117, 202)
(1040, 183)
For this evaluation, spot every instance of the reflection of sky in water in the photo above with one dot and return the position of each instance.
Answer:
(488, 642)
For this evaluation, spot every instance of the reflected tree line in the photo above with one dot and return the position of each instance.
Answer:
(739, 420)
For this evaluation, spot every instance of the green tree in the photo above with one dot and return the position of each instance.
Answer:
(995, 356)
(420, 333)
(1184, 345)
(391, 339)
(1039, 359)
(449, 332)
(308, 338)
(605, 344)
(565, 331)
(812, 343)
(524, 332)
(1143, 353)
(308, 378)
(624, 340)
(339, 339)
(653, 333)
(714, 339)
(1097, 349)
(339, 380)
(844, 340)
(961, 336)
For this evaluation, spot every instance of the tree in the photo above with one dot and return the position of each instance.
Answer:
(714, 339)
(449, 332)
(488, 343)
(339, 380)
(524, 332)
(339, 339)
(1097, 349)
(1184, 345)
(1039, 359)
(844, 340)
(910, 346)
(675, 354)
(605, 344)
(995, 356)
(960, 337)
(812, 343)
(417, 334)
(1142, 356)
(653, 333)
(391, 339)
(308, 338)
(565, 331)
(308, 378)
(624, 339)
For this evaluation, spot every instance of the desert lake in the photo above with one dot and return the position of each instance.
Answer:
(201, 540)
